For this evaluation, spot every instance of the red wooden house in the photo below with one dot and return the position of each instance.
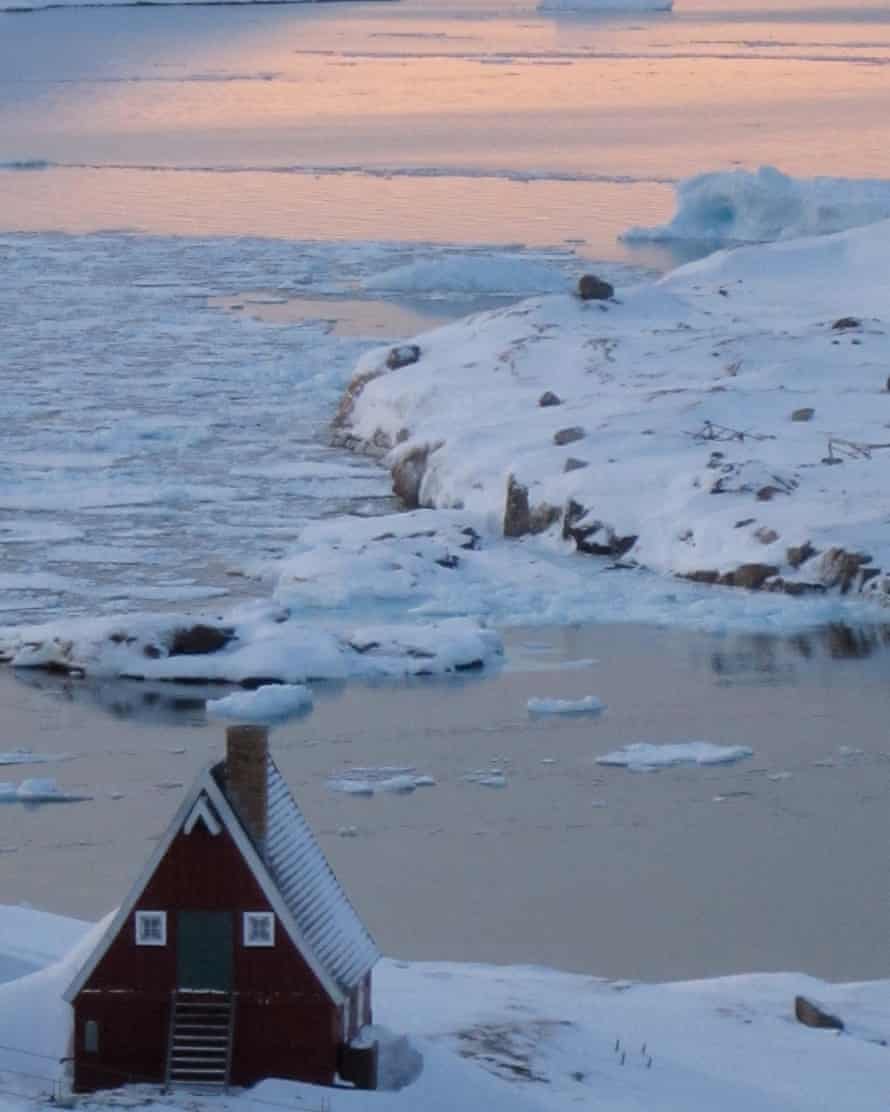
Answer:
(236, 955)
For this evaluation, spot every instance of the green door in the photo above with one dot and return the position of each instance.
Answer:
(204, 950)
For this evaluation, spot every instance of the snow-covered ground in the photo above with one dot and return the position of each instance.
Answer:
(507, 1039)
(728, 423)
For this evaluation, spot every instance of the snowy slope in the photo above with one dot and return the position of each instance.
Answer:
(731, 422)
(519, 1039)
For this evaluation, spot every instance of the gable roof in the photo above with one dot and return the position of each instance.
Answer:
(295, 877)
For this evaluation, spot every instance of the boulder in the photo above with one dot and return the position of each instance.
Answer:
(591, 288)
(569, 435)
(520, 518)
(403, 355)
(838, 568)
(548, 398)
(573, 464)
(407, 475)
(751, 576)
(811, 1014)
(594, 538)
(843, 323)
(766, 535)
(803, 414)
(517, 518)
(798, 554)
(199, 639)
(343, 416)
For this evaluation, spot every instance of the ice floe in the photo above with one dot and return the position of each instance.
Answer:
(589, 704)
(255, 644)
(744, 206)
(28, 757)
(38, 790)
(379, 780)
(644, 756)
(268, 703)
(510, 274)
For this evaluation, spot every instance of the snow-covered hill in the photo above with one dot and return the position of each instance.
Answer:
(730, 423)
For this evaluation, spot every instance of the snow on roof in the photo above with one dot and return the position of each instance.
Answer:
(321, 909)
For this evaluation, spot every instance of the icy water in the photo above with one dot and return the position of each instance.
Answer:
(778, 862)
(196, 205)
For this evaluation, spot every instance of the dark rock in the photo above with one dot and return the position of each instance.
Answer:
(473, 541)
(703, 576)
(517, 518)
(839, 568)
(572, 464)
(350, 396)
(569, 435)
(591, 288)
(548, 398)
(795, 588)
(798, 554)
(542, 517)
(447, 561)
(151, 651)
(811, 1014)
(591, 537)
(403, 355)
(804, 414)
(745, 521)
(767, 493)
(751, 576)
(843, 323)
(766, 535)
(407, 474)
(199, 639)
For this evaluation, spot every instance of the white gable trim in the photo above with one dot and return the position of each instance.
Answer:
(206, 785)
(201, 812)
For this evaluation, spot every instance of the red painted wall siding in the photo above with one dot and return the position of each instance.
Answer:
(285, 1025)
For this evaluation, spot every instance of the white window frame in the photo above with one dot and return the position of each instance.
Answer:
(143, 919)
(251, 917)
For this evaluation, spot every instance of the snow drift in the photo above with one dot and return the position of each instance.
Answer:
(741, 206)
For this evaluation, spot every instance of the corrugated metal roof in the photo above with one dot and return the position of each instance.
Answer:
(321, 909)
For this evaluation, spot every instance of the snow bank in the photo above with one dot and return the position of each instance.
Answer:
(590, 704)
(693, 426)
(258, 642)
(743, 206)
(471, 274)
(30, 940)
(643, 756)
(269, 703)
(483, 1038)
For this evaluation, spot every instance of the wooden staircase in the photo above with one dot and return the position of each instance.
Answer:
(199, 1049)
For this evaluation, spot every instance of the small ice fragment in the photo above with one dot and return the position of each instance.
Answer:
(488, 778)
(272, 702)
(347, 831)
(548, 760)
(776, 776)
(590, 704)
(649, 757)
(598, 803)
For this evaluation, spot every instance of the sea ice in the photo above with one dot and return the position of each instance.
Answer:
(743, 206)
(27, 757)
(645, 756)
(268, 703)
(37, 790)
(375, 781)
(590, 704)
(509, 274)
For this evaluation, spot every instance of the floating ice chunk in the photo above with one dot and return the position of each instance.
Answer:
(645, 756)
(756, 206)
(605, 5)
(471, 274)
(37, 790)
(372, 781)
(273, 702)
(26, 757)
(590, 704)
(488, 778)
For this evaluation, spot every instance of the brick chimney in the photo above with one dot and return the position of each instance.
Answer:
(247, 750)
